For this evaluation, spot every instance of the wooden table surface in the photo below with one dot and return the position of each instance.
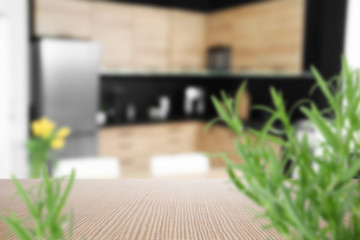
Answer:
(155, 209)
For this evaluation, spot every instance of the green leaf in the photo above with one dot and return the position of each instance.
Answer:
(66, 194)
(350, 172)
(227, 101)
(297, 105)
(210, 124)
(263, 108)
(24, 196)
(293, 212)
(321, 124)
(220, 110)
(323, 86)
(239, 94)
(17, 228)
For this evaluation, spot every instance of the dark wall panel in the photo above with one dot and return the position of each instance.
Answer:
(324, 35)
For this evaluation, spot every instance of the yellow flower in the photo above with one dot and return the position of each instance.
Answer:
(43, 127)
(36, 128)
(57, 143)
(63, 132)
(47, 127)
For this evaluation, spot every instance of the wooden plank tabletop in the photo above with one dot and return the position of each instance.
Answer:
(155, 209)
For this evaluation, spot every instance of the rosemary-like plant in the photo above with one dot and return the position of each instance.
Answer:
(45, 204)
(322, 202)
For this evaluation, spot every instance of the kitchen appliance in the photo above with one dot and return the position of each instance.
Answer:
(65, 89)
(162, 110)
(194, 101)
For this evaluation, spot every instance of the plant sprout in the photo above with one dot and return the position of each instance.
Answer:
(322, 202)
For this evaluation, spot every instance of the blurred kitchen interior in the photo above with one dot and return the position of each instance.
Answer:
(133, 79)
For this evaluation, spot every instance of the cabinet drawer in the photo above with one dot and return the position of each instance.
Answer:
(179, 129)
(124, 147)
(146, 141)
(125, 132)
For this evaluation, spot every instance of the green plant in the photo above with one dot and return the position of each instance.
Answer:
(45, 137)
(322, 202)
(45, 204)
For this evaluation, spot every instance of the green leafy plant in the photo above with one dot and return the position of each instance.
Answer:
(322, 202)
(44, 202)
(45, 205)
(45, 137)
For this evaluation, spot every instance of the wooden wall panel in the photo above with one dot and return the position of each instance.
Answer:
(264, 36)
(187, 38)
(113, 29)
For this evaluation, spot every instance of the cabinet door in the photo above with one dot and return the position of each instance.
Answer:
(263, 37)
(151, 38)
(125, 142)
(113, 23)
(172, 138)
(187, 40)
(220, 28)
(66, 18)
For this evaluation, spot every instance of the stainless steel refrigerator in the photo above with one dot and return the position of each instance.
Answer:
(66, 88)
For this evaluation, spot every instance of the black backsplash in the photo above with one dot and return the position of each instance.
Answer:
(143, 92)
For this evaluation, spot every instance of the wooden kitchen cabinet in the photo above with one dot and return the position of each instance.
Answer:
(220, 28)
(219, 139)
(151, 38)
(135, 145)
(147, 140)
(187, 38)
(265, 36)
(63, 18)
(113, 29)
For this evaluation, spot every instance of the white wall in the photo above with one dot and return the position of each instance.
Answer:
(352, 37)
(4, 96)
(14, 78)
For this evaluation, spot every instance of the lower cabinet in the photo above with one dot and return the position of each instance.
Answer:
(148, 140)
(135, 145)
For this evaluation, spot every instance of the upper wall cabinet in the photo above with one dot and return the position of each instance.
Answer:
(263, 36)
(151, 38)
(65, 18)
(113, 29)
(187, 38)
(220, 28)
